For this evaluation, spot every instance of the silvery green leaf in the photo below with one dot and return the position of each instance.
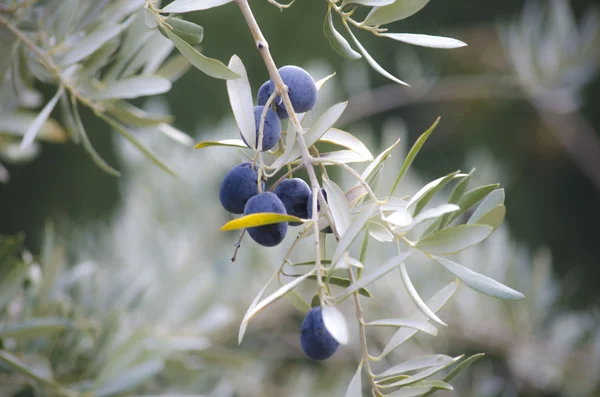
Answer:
(42, 117)
(380, 232)
(225, 142)
(298, 302)
(68, 118)
(130, 378)
(435, 303)
(133, 87)
(427, 192)
(87, 144)
(394, 204)
(368, 3)
(454, 239)
(423, 326)
(424, 40)
(172, 69)
(414, 295)
(347, 140)
(130, 114)
(381, 271)
(19, 122)
(335, 323)
(150, 19)
(413, 364)
(462, 366)
(424, 374)
(353, 230)
(471, 198)
(136, 142)
(348, 260)
(189, 31)
(401, 217)
(15, 364)
(148, 55)
(92, 64)
(340, 156)
(240, 98)
(494, 217)
(414, 150)
(252, 306)
(92, 42)
(272, 298)
(479, 282)
(179, 6)
(337, 41)
(494, 199)
(209, 66)
(433, 213)
(455, 196)
(311, 136)
(372, 170)
(337, 281)
(338, 206)
(411, 391)
(355, 386)
(397, 11)
(372, 61)
(320, 83)
(33, 328)
(66, 12)
(176, 135)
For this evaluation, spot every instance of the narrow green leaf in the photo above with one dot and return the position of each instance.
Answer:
(454, 239)
(131, 138)
(353, 230)
(338, 281)
(260, 219)
(17, 365)
(479, 282)
(426, 373)
(339, 157)
(368, 3)
(298, 302)
(87, 144)
(423, 326)
(424, 40)
(19, 122)
(251, 308)
(494, 217)
(435, 303)
(417, 363)
(193, 34)
(412, 154)
(39, 121)
(180, 6)
(240, 98)
(340, 210)
(225, 142)
(381, 271)
(324, 80)
(400, 217)
(455, 196)
(335, 323)
(130, 114)
(372, 170)
(209, 66)
(429, 191)
(414, 295)
(92, 42)
(354, 194)
(433, 213)
(347, 140)
(337, 41)
(397, 11)
(33, 328)
(172, 69)
(471, 198)
(493, 200)
(176, 135)
(458, 369)
(372, 61)
(380, 232)
(133, 87)
(355, 385)
(411, 391)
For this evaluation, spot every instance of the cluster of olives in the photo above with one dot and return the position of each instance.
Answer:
(239, 193)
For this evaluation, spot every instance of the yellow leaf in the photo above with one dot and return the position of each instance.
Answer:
(224, 142)
(263, 218)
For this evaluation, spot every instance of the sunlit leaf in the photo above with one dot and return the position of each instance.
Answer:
(347, 140)
(340, 156)
(320, 83)
(371, 171)
(454, 239)
(400, 217)
(35, 127)
(338, 206)
(478, 281)
(93, 41)
(405, 322)
(428, 192)
(494, 217)
(417, 363)
(368, 3)
(259, 219)
(424, 40)
(176, 135)
(400, 9)
(133, 87)
(179, 6)
(337, 41)
(458, 369)
(354, 194)
(251, 308)
(355, 386)
(380, 232)
(437, 301)
(433, 213)
(240, 98)
(471, 198)
(372, 61)
(335, 323)
(340, 282)
(225, 142)
(298, 302)
(353, 230)
(493, 200)
(416, 298)
(19, 122)
(190, 32)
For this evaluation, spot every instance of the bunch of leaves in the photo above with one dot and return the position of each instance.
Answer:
(97, 55)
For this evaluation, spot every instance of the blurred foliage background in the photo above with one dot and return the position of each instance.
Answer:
(539, 138)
